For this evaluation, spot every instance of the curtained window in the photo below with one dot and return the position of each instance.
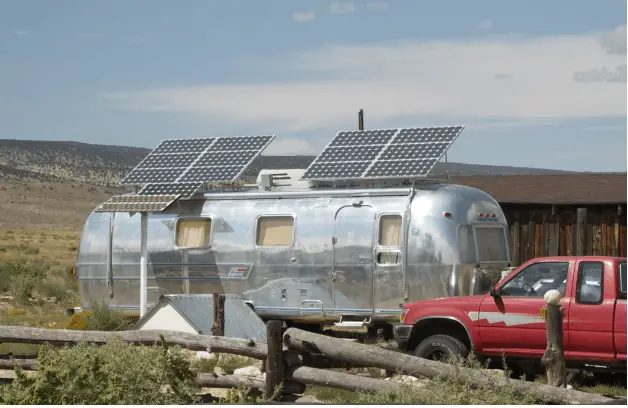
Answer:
(390, 236)
(275, 231)
(193, 233)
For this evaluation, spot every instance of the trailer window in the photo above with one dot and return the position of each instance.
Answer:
(390, 230)
(467, 245)
(491, 244)
(193, 233)
(275, 231)
(590, 280)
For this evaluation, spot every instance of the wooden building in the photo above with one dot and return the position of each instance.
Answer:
(544, 212)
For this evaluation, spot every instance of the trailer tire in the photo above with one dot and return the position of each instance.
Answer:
(440, 346)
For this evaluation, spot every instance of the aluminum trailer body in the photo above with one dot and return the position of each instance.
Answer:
(309, 255)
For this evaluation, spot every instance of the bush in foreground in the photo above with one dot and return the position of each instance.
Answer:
(100, 318)
(114, 373)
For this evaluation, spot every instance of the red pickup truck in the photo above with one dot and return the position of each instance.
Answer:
(507, 319)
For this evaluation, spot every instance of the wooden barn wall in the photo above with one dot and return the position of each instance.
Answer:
(535, 231)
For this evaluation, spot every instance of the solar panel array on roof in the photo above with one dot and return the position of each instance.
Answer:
(382, 154)
(182, 166)
(136, 203)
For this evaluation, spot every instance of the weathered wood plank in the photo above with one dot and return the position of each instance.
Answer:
(218, 327)
(545, 232)
(581, 232)
(538, 240)
(274, 360)
(198, 342)
(516, 241)
(554, 238)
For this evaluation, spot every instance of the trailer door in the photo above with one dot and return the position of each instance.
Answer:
(352, 266)
(388, 276)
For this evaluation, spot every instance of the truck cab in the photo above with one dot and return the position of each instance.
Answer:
(507, 319)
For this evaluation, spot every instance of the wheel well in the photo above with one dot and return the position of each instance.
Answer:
(430, 327)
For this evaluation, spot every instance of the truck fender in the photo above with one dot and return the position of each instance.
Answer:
(425, 326)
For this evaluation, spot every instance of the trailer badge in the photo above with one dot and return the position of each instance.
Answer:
(237, 272)
(487, 217)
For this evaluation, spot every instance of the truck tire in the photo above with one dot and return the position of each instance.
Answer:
(440, 347)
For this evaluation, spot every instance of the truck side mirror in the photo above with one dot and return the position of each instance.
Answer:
(493, 292)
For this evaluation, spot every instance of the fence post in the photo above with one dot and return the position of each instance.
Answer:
(218, 328)
(554, 356)
(581, 231)
(274, 360)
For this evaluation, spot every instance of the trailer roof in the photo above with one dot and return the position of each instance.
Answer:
(572, 188)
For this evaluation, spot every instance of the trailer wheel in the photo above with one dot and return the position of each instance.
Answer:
(440, 347)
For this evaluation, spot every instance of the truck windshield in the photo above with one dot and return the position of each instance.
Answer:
(622, 277)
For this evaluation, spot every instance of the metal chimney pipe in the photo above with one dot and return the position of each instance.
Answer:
(361, 120)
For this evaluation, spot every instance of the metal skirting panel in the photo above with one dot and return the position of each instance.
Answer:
(240, 319)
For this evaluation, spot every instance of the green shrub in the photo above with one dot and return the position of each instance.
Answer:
(99, 318)
(50, 288)
(21, 287)
(114, 373)
(205, 365)
(105, 319)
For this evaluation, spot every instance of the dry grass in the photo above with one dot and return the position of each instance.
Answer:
(35, 204)
(57, 246)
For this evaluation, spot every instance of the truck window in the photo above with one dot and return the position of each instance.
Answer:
(622, 279)
(390, 236)
(492, 245)
(590, 280)
(277, 231)
(193, 233)
(537, 279)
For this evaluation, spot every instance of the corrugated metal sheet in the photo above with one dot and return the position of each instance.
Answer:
(240, 320)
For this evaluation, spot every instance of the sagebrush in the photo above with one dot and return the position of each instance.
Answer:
(114, 373)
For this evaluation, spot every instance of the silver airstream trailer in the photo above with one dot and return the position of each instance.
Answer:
(311, 253)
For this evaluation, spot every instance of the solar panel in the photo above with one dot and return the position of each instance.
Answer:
(153, 175)
(382, 154)
(196, 161)
(181, 189)
(183, 145)
(134, 203)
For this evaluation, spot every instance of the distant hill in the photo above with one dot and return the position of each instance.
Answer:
(105, 165)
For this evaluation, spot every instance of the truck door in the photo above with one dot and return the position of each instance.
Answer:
(352, 265)
(590, 335)
(512, 320)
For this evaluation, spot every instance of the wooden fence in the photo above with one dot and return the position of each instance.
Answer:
(292, 358)
(556, 231)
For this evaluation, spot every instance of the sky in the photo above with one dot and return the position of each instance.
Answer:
(536, 83)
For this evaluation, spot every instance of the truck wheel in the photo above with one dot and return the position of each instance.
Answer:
(440, 347)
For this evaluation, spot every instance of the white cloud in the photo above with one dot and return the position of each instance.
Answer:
(485, 24)
(301, 17)
(381, 5)
(604, 74)
(288, 147)
(455, 79)
(614, 42)
(339, 7)
(21, 32)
